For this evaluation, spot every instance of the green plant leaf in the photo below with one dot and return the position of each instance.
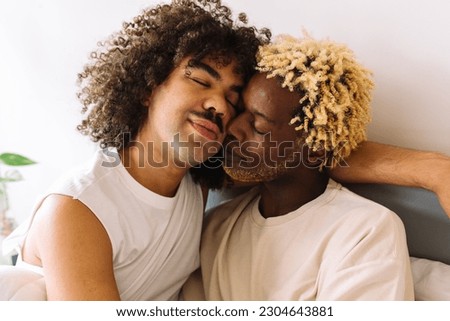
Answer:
(15, 160)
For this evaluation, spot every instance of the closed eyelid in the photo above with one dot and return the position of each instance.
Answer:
(237, 90)
(255, 128)
(235, 95)
(265, 117)
(200, 81)
(195, 64)
(233, 92)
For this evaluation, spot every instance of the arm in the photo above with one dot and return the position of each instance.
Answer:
(74, 250)
(379, 163)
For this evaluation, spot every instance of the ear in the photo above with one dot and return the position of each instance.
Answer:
(146, 101)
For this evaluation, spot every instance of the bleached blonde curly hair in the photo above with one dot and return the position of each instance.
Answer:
(335, 91)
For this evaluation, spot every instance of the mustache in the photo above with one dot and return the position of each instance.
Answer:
(212, 117)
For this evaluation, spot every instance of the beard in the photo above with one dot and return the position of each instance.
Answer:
(262, 172)
(254, 175)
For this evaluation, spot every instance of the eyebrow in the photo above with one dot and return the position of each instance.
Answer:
(212, 72)
(205, 67)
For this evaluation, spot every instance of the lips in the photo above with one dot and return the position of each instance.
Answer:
(206, 128)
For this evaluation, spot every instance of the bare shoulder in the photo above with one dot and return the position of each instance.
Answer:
(61, 217)
(72, 246)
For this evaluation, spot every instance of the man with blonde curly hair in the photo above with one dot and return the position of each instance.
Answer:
(299, 235)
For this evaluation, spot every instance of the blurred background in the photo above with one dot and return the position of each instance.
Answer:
(45, 43)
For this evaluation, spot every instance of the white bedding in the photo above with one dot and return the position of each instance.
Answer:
(431, 282)
(21, 284)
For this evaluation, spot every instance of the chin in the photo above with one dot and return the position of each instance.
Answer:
(254, 175)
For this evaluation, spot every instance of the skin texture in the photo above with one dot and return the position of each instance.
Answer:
(67, 239)
(285, 170)
(72, 246)
(181, 115)
(257, 130)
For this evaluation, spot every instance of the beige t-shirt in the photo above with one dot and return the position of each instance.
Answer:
(339, 246)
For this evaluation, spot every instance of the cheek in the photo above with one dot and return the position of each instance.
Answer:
(161, 124)
(157, 117)
(165, 99)
(283, 151)
(165, 108)
(229, 120)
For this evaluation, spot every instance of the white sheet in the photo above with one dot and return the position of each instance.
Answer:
(20, 284)
(431, 280)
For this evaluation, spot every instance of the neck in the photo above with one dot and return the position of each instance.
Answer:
(290, 191)
(143, 165)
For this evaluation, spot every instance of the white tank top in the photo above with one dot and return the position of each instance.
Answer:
(155, 239)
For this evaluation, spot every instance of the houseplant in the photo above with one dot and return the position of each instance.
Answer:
(8, 176)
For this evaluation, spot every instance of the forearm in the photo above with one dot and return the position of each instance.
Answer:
(380, 163)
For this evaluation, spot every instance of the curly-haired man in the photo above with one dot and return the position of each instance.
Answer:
(300, 235)
(158, 95)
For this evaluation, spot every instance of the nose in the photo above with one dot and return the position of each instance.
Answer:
(220, 107)
(213, 110)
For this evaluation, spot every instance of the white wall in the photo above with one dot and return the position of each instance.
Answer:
(44, 43)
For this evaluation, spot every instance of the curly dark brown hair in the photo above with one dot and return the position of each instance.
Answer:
(124, 70)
